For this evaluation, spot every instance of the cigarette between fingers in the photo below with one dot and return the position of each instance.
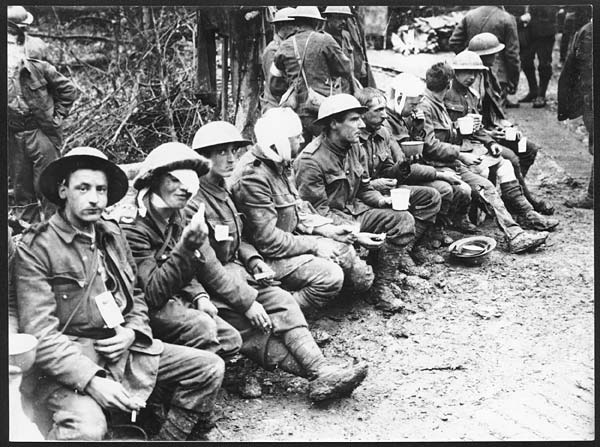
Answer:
(133, 415)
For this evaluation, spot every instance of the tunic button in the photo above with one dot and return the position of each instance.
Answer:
(163, 257)
(64, 297)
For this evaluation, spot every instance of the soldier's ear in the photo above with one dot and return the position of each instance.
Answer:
(62, 190)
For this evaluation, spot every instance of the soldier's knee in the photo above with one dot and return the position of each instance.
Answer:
(83, 420)
(332, 277)
(200, 324)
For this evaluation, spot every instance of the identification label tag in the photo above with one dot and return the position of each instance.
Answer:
(111, 314)
(522, 146)
(222, 233)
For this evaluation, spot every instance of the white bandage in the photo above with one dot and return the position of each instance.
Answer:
(188, 178)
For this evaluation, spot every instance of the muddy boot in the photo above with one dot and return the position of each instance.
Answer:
(180, 424)
(327, 381)
(408, 266)
(526, 241)
(526, 216)
(423, 256)
(438, 233)
(383, 294)
(464, 225)
(584, 201)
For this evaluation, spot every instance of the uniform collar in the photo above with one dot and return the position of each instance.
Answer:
(337, 150)
(68, 232)
(216, 190)
(158, 220)
(280, 168)
(365, 134)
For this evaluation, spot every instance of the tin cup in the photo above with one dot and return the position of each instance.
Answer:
(510, 133)
(411, 148)
(465, 125)
(477, 120)
(400, 198)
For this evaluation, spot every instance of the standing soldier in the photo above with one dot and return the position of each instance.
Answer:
(576, 98)
(39, 98)
(284, 27)
(539, 28)
(312, 61)
(337, 17)
(77, 294)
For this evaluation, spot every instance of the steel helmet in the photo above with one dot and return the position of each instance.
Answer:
(217, 133)
(283, 15)
(467, 60)
(405, 85)
(84, 157)
(18, 15)
(344, 10)
(169, 157)
(308, 12)
(335, 104)
(484, 44)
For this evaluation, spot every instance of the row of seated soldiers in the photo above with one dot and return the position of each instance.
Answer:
(230, 252)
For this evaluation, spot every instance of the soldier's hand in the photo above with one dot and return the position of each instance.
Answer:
(204, 304)
(495, 149)
(345, 233)
(258, 317)
(195, 232)
(261, 268)
(385, 202)
(450, 177)
(469, 159)
(327, 249)
(111, 394)
(412, 159)
(370, 240)
(497, 134)
(112, 348)
(384, 184)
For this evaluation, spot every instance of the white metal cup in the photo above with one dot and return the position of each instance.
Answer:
(477, 118)
(400, 198)
(465, 125)
(510, 133)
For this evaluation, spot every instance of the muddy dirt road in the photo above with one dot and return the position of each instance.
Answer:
(499, 352)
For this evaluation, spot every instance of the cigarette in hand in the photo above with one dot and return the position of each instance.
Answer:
(133, 416)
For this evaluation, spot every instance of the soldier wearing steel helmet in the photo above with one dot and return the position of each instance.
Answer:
(77, 294)
(332, 174)
(460, 101)
(284, 27)
(301, 246)
(170, 254)
(495, 20)
(487, 47)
